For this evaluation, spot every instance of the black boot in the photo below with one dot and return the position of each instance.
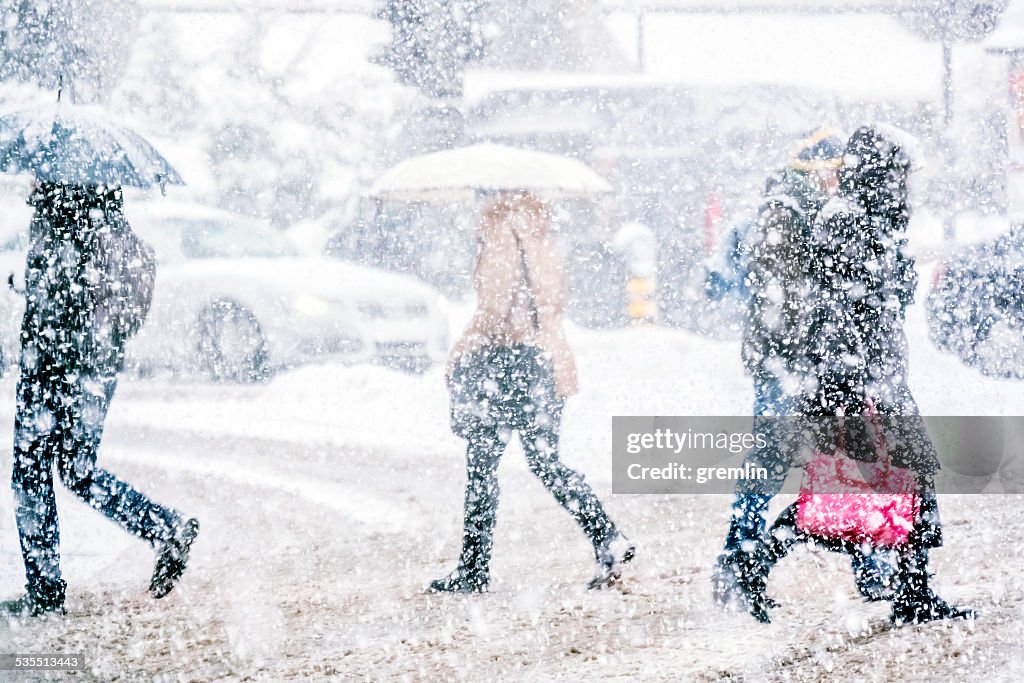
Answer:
(45, 597)
(462, 580)
(473, 574)
(611, 554)
(875, 575)
(740, 579)
(915, 602)
(172, 558)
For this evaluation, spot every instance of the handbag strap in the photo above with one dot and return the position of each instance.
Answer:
(881, 449)
(534, 315)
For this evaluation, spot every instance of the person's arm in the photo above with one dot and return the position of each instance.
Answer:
(494, 283)
(547, 279)
(838, 338)
(772, 280)
(547, 282)
(906, 276)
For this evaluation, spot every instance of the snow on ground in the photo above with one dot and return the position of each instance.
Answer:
(331, 496)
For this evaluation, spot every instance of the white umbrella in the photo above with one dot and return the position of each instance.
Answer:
(458, 174)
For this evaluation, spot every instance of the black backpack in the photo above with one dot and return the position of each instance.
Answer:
(127, 268)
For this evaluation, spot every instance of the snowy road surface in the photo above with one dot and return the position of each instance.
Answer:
(330, 497)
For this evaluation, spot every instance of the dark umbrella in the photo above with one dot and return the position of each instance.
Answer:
(80, 146)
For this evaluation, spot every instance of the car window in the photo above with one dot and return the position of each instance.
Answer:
(227, 239)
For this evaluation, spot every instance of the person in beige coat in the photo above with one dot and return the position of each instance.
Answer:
(512, 370)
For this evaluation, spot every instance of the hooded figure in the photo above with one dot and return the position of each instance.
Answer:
(864, 276)
(863, 280)
(776, 267)
(779, 259)
(88, 281)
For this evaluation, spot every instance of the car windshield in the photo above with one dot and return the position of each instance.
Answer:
(221, 239)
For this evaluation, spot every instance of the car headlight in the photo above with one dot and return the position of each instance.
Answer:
(310, 305)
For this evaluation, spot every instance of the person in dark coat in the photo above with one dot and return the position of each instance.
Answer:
(863, 281)
(88, 285)
(778, 258)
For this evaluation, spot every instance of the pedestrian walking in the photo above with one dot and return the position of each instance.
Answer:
(778, 261)
(512, 371)
(864, 280)
(89, 281)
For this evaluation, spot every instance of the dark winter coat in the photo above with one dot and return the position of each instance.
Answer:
(863, 281)
(775, 326)
(78, 312)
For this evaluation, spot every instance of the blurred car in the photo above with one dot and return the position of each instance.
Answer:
(234, 301)
(976, 305)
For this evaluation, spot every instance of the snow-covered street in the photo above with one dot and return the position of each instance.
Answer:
(330, 497)
(261, 262)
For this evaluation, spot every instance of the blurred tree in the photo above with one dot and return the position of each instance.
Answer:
(951, 20)
(431, 42)
(82, 43)
(269, 124)
(551, 35)
(948, 22)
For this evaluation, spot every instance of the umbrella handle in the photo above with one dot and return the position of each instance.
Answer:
(14, 287)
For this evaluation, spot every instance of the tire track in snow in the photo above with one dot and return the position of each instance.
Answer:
(133, 444)
(367, 510)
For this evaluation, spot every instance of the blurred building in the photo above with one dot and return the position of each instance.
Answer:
(1007, 46)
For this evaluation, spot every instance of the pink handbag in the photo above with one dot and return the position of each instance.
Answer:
(843, 499)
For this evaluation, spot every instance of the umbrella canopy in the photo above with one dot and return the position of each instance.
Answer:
(78, 145)
(458, 174)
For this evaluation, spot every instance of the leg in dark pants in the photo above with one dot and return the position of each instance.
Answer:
(915, 602)
(483, 453)
(752, 497)
(780, 539)
(511, 389)
(570, 489)
(35, 444)
(98, 488)
(61, 422)
(738, 573)
(737, 577)
(539, 436)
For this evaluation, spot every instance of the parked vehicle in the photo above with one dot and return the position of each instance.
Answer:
(234, 301)
(976, 305)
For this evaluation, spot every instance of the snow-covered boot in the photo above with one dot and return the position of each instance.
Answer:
(473, 573)
(739, 580)
(46, 596)
(915, 602)
(172, 558)
(611, 554)
(876, 575)
(30, 606)
(462, 580)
